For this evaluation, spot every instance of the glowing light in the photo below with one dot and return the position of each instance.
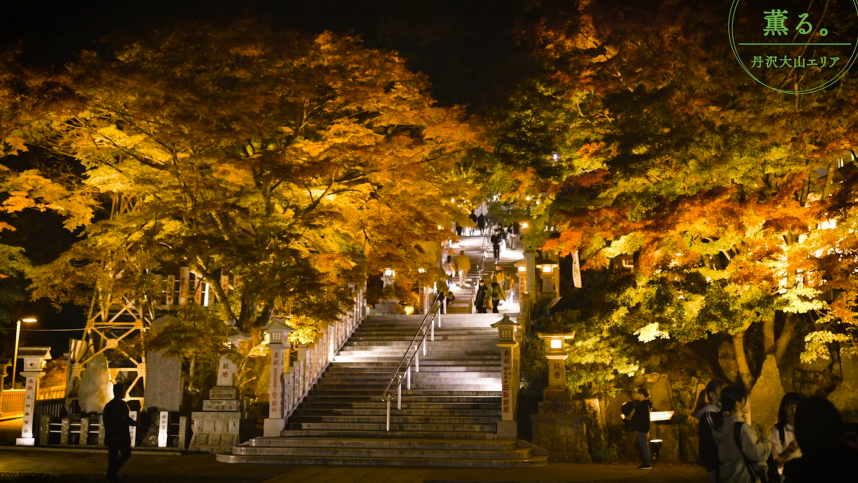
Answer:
(546, 269)
(524, 225)
(388, 272)
(440, 227)
(527, 198)
(409, 310)
(522, 269)
(421, 270)
(452, 200)
(556, 157)
(29, 320)
(556, 343)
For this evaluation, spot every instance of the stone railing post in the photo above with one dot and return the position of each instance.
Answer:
(302, 372)
(509, 345)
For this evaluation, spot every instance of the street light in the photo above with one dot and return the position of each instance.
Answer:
(28, 320)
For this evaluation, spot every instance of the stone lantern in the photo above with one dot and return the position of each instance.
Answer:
(34, 361)
(549, 274)
(508, 341)
(521, 270)
(279, 347)
(555, 352)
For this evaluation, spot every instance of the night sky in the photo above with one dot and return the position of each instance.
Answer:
(466, 47)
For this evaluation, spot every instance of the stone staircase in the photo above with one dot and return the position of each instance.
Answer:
(448, 418)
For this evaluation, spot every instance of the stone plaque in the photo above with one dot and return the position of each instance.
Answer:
(221, 405)
(164, 378)
(223, 392)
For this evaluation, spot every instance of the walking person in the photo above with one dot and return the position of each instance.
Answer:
(825, 454)
(743, 454)
(481, 223)
(497, 296)
(480, 299)
(784, 445)
(449, 267)
(458, 229)
(496, 240)
(709, 415)
(473, 222)
(117, 420)
(463, 265)
(640, 421)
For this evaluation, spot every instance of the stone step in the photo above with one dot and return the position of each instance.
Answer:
(380, 406)
(387, 453)
(381, 443)
(487, 397)
(452, 427)
(445, 340)
(395, 417)
(367, 358)
(531, 462)
(429, 366)
(428, 376)
(373, 392)
(392, 434)
(381, 411)
(441, 385)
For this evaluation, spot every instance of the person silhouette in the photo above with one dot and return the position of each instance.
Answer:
(117, 420)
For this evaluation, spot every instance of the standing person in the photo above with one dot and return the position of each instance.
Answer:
(784, 445)
(480, 300)
(640, 420)
(458, 229)
(473, 224)
(481, 223)
(116, 435)
(825, 454)
(710, 418)
(497, 296)
(496, 240)
(450, 267)
(463, 265)
(743, 455)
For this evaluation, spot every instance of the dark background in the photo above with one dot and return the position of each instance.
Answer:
(466, 47)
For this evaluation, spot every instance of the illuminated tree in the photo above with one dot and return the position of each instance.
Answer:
(670, 157)
(296, 163)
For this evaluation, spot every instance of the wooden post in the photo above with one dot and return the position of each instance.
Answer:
(184, 282)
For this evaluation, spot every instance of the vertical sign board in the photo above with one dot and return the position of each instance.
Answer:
(576, 270)
(133, 429)
(163, 428)
(275, 388)
(506, 375)
(29, 407)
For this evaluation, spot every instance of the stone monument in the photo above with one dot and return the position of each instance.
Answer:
(223, 422)
(95, 388)
(164, 377)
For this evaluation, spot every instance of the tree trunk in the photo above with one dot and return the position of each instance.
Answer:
(785, 337)
(829, 181)
(769, 333)
(742, 360)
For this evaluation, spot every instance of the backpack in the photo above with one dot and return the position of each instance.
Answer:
(771, 462)
(627, 409)
(757, 475)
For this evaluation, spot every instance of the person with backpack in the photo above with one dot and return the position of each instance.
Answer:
(639, 420)
(742, 453)
(784, 444)
(709, 415)
(480, 300)
(497, 296)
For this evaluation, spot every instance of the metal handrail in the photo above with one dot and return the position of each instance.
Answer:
(397, 377)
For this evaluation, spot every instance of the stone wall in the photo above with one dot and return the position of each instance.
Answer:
(565, 436)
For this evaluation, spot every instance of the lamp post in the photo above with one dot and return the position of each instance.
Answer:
(28, 320)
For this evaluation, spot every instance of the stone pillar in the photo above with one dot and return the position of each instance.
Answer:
(302, 372)
(276, 420)
(530, 259)
(507, 427)
(34, 359)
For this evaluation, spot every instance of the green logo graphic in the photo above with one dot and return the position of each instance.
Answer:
(796, 47)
